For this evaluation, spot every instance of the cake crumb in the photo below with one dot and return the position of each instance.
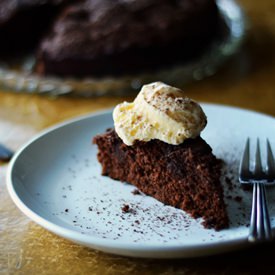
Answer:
(125, 208)
(238, 199)
(229, 183)
(136, 192)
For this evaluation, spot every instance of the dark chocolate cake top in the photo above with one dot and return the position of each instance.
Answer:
(103, 27)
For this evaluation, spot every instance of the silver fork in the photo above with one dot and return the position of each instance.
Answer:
(260, 229)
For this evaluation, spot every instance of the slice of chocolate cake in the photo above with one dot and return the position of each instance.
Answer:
(186, 176)
(156, 146)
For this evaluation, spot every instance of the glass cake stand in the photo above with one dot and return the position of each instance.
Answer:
(18, 75)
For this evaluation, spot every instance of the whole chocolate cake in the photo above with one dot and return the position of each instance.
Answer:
(107, 37)
(156, 146)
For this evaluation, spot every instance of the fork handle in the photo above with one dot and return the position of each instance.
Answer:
(260, 229)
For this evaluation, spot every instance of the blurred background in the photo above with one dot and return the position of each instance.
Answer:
(245, 79)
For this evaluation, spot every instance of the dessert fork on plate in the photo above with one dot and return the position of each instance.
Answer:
(260, 228)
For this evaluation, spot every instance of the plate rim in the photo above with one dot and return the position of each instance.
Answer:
(121, 247)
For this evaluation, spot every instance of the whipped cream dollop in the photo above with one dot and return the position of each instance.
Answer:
(159, 112)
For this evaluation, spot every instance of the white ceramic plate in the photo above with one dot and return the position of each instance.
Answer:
(55, 180)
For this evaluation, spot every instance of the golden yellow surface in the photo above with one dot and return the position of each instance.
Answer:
(247, 80)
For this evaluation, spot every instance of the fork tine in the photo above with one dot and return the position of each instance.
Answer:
(258, 170)
(244, 167)
(270, 162)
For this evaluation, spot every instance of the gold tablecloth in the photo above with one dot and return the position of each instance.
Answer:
(247, 80)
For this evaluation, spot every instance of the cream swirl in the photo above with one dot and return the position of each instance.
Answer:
(159, 112)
